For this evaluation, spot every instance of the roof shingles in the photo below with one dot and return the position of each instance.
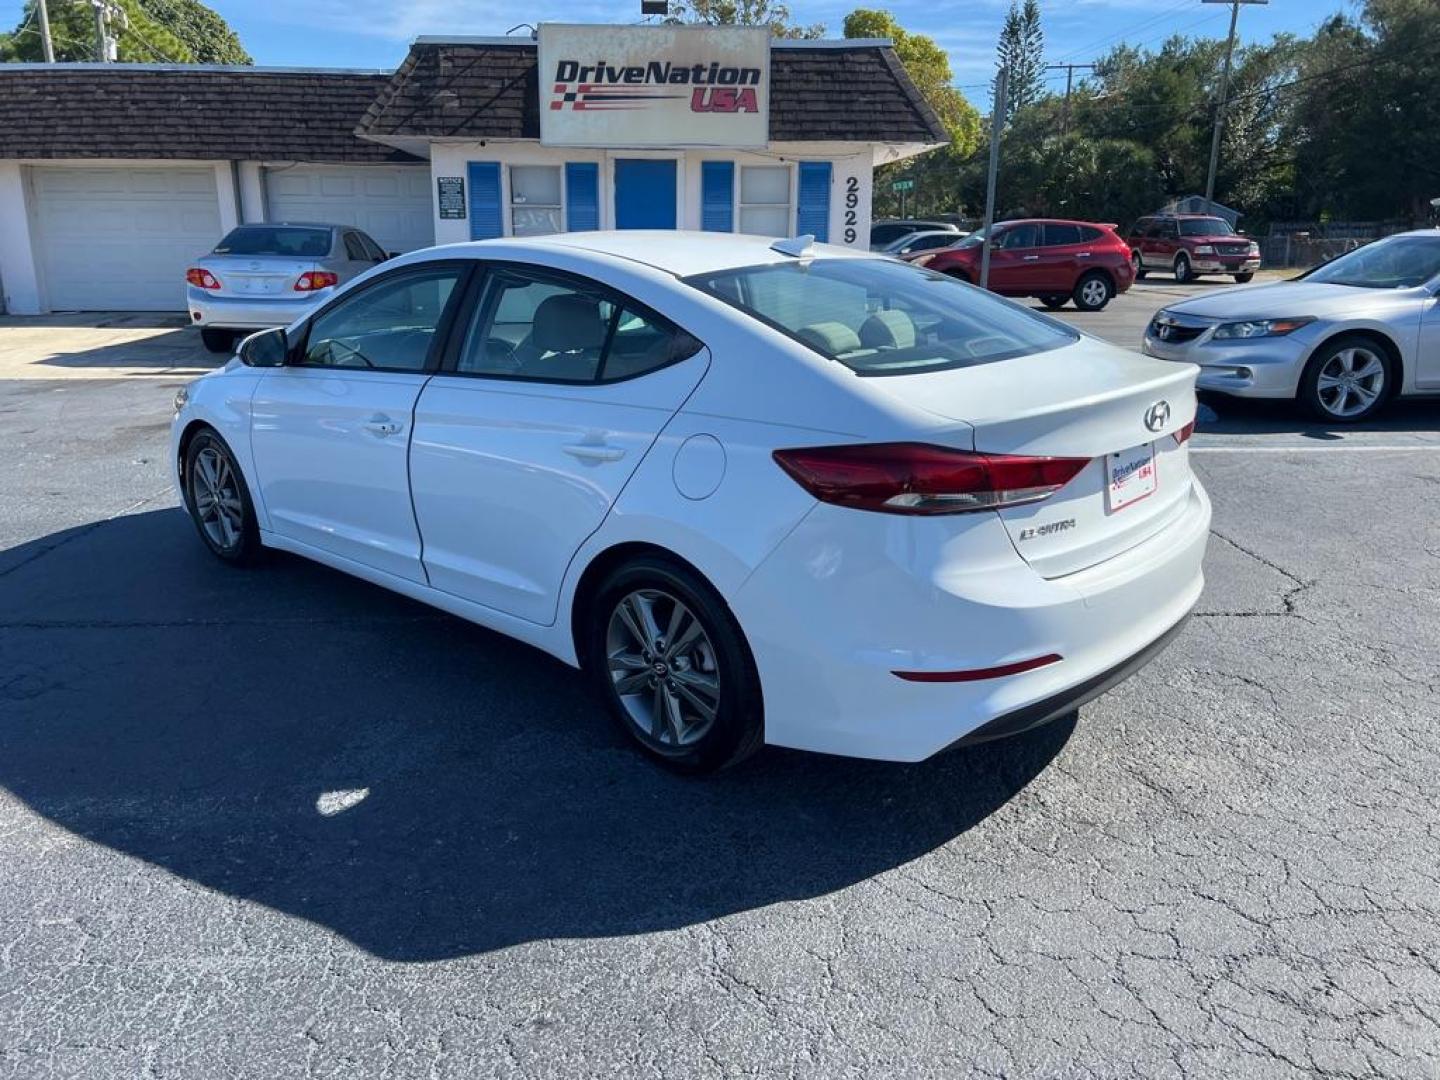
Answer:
(206, 113)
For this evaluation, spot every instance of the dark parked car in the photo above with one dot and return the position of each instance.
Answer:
(1051, 259)
(885, 233)
(1188, 245)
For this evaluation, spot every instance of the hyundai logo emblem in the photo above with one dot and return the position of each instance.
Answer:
(1158, 415)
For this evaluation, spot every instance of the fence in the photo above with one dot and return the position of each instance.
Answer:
(1299, 244)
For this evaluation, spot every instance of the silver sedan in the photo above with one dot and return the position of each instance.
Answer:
(267, 275)
(1343, 339)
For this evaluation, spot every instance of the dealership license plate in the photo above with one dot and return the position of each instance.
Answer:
(1130, 476)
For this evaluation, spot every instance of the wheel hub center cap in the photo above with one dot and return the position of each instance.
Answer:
(660, 668)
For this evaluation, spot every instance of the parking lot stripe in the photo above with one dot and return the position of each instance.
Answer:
(1385, 449)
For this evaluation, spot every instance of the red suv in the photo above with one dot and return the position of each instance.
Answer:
(1043, 257)
(1189, 245)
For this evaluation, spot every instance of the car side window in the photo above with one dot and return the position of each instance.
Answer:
(372, 249)
(1088, 234)
(389, 326)
(1020, 236)
(354, 248)
(1169, 230)
(560, 330)
(1060, 235)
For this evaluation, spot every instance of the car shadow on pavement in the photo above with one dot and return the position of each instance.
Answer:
(425, 788)
(141, 342)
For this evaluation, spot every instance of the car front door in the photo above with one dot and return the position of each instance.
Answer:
(1012, 259)
(523, 443)
(1427, 353)
(330, 430)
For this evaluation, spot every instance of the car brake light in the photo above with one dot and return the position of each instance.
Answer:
(315, 279)
(202, 278)
(1183, 435)
(916, 478)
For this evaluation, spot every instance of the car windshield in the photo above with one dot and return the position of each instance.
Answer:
(1208, 226)
(879, 317)
(270, 240)
(1401, 262)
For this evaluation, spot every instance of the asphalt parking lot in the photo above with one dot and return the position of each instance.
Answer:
(278, 822)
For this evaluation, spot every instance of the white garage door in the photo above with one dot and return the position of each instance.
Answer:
(390, 202)
(120, 239)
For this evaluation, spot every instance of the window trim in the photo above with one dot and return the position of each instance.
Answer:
(443, 327)
(511, 204)
(345, 238)
(791, 195)
(478, 302)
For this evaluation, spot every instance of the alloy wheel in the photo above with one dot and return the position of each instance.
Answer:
(663, 668)
(1350, 382)
(1094, 292)
(216, 492)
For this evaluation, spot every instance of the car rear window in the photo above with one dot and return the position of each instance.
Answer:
(272, 240)
(879, 317)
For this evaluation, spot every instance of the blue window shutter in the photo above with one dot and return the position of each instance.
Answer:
(812, 209)
(717, 196)
(582, 196)
(485, 221)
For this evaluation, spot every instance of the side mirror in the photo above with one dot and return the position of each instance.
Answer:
(268, 348)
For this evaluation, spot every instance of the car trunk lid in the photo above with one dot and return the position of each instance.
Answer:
(1123, 412)
(257, 276)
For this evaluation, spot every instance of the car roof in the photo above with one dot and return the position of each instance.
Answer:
(294, 225)
(674, 251)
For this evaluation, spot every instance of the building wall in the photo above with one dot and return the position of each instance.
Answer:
(19, 275)
(851, 175)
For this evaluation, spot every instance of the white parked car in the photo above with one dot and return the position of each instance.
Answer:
(267, 275)
(1342, 339)
(760, 492)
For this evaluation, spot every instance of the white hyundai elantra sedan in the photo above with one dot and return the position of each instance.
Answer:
(760, 492)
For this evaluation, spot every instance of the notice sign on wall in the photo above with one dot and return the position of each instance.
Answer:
(450, 194)
(623, 87)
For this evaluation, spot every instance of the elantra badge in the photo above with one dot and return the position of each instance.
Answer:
(1157, 416)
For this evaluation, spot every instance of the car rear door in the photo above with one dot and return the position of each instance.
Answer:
(330, 431)
(1058, 268)
(545, 407)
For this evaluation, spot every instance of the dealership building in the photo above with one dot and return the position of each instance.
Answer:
(113, 177)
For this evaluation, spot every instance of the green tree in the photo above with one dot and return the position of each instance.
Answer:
(775, 15)
(929, 68)
(151, 31)
(1021, 50)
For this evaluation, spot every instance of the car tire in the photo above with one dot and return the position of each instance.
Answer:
(1327, 392)
(1093, 291)
(695, 709)
(217, 340)
(1055, 301)
(1184, 272)
(1139, 266)
(1245, 278)
(218, 500)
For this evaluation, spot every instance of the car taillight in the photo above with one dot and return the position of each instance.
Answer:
(916, 478)
(315, 279)
(202, 278)
(1183, 435)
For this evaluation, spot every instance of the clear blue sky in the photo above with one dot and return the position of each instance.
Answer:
(375, 33)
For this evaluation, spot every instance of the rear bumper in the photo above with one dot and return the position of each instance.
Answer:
(848, 599)
(243, 313)
(1067, 701)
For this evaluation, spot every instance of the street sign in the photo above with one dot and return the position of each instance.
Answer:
(902, 185)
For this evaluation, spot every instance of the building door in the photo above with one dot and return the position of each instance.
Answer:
(119, 238)
(645, 193)
(390, 202)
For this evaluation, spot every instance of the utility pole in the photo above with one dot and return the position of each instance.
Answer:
(1069, 82)
(106, 46)
(43, 13)
(1224, 95)
(997, 126)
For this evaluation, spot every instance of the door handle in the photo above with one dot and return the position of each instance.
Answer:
(593, 452)
(1084, 254)
(382, 425)
(1031, 258)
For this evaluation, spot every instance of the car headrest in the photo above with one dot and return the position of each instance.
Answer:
(568, 323)
(833, 338)
(888, 330)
